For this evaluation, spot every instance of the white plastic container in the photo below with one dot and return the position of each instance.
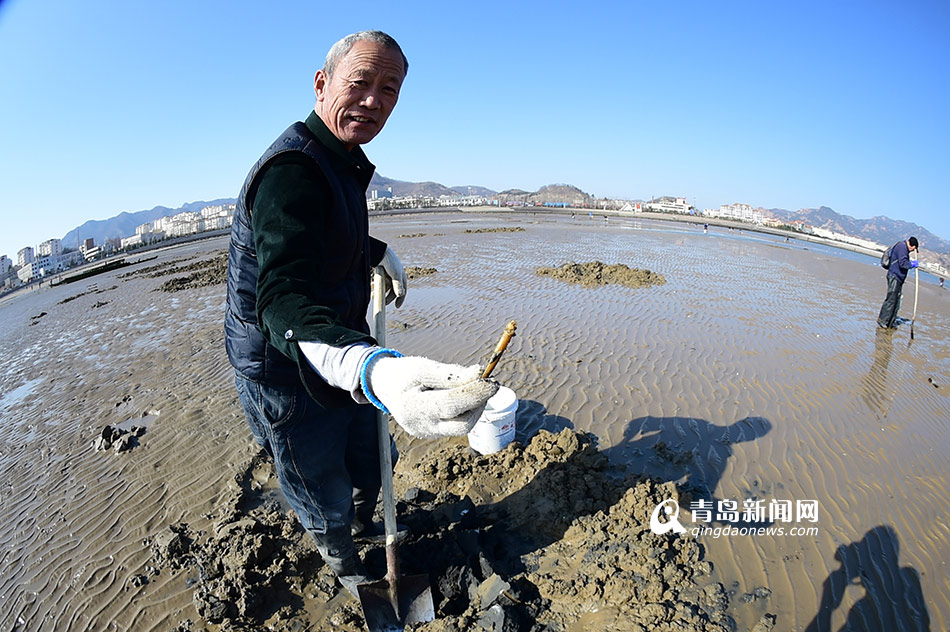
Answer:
(495, 429)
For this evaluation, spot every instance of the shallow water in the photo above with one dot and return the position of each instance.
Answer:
(755, 373)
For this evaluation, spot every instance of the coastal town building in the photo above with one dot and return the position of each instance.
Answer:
(737, 212)
(630, 207)
(44, 265)
(379, 201)
(214, 217)
(463, 200)
(667, 205)
(848, 239)
(50, 248)
(24, 256)
(144, 234)
(8, 275)
(50, 257)
(89, 249)
(129, 242)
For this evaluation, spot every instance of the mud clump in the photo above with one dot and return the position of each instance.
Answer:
(92, 290)
(567, 533)
(212, 271)
(512, 229)
(157, 270)
(416, 272)
(117, 439)
(248, 568)
(203, 273)
(544, 536)
(596, 273)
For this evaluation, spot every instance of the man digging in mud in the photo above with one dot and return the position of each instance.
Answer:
(306, 367)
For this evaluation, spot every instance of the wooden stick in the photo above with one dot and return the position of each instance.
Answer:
(506, 337)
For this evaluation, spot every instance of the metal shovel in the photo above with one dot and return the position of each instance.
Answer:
(394, 601)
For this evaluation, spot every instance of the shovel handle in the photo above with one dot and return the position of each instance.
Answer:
(385, 454)
(506, 337)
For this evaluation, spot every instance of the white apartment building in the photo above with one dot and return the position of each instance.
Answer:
(177, 225)
(737, 212)
(848, 239)
(463, 200)
(217, 217)
(128, 242)
(217, 210)
(50, 248)
(214, 217)
(668, 205)
(5, 266)
(43, 265)
(25, 256)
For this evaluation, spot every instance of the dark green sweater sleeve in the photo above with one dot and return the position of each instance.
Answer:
(291, 201)
(377, 249)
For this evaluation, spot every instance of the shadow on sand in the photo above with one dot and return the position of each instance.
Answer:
(892, 598)
(693, 453)
(688, 452)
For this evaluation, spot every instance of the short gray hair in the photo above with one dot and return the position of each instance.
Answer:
(339, 50)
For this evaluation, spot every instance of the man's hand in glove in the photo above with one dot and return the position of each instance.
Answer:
(396, 280)
(427, 398)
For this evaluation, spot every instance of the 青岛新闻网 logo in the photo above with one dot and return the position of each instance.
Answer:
(671, 509)
(752, 517)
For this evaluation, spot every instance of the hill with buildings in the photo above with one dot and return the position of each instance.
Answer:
(473, 190)
(399, 188)
(560, 194)
(124, 224)
(161, 222)
(881, 229)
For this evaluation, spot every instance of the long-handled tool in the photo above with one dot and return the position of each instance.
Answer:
(394, 601)
(916, 294)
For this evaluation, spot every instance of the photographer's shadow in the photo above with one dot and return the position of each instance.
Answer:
(692, 453)
(893, 599)
(533, 417)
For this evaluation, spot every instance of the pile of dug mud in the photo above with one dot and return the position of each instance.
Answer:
(546, 536)
(205, 272)
(596, 273)
(504, 229)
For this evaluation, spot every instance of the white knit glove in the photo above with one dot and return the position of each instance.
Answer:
(427, 398)
(396, 280)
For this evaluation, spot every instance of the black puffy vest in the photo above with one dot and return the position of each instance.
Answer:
(346, 286)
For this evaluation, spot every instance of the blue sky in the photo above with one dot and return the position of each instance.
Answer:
(112, 106)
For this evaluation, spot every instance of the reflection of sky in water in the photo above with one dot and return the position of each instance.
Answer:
(17, 395)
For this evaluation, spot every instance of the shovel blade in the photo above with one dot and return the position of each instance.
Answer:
(389, 610)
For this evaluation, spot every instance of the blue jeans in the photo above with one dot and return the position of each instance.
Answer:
(325, 458)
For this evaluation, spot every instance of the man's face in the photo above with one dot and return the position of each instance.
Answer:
(356, 101)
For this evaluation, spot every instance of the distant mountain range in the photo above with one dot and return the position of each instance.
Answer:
(880, 229)
(883, 230)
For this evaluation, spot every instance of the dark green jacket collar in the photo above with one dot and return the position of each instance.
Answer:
(351, 159)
